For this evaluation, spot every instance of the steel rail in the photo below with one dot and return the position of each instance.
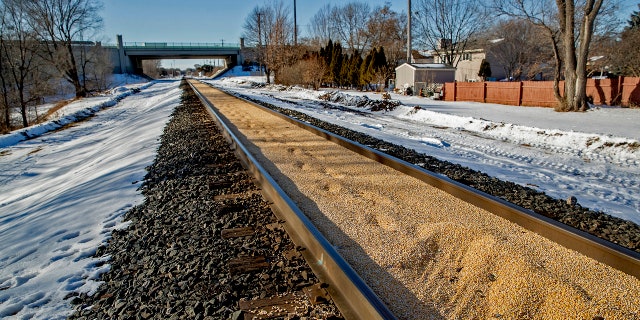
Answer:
(350, 293)
(609, 253)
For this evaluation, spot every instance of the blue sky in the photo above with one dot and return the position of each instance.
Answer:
(210, 20)
(198, 20)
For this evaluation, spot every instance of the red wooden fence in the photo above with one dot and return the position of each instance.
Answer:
(623, 91)
(630, 91)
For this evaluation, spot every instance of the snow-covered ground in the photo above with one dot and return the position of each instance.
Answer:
(63, 192)
(594, 156)
(67, 92)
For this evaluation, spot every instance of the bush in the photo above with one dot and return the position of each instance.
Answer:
(290, 75)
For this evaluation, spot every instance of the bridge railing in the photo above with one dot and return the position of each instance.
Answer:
(179, 45)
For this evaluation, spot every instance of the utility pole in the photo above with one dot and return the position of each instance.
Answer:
(295, 25)
(259, 45)
(409, 31)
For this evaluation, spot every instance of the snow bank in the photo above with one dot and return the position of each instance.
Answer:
(64, 193)
(594, 155)
(77, 111)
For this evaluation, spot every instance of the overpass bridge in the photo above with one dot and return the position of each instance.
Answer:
(127, 57)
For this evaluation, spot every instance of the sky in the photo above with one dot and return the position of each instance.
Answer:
(198, 20)
(217, 21)
(64, 191)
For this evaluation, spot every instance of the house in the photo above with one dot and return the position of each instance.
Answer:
(470, 60)
(421, 75)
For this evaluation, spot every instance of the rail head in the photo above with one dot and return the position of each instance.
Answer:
(609, 253)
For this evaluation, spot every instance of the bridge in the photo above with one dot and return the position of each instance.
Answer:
(127, 57)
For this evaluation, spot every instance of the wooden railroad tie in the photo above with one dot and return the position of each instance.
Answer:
(237, 232)
(279, 306)
(247, 264)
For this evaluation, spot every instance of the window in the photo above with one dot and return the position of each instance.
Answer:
(466, 56)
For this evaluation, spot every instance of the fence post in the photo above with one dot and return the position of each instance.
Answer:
(520, 93)
(484, 92)
(619, 90)
(455, 90)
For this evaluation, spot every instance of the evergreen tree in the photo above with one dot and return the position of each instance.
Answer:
(485, 70)
(379, 60)
(380, 67)
(336, 63)
(365, 68)
(327, 51)
(343, 79)
(325, 54)
(354, 68)
(634, 22)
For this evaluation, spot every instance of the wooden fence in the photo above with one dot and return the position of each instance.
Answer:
(623, 91)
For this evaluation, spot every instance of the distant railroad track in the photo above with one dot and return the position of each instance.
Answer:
(352, 295)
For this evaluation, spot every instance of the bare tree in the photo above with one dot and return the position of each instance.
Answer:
(255, 35)
(627, 53)
(519, 48)
(5, 86)
(386, 28)
(569, 26)
(280, 51)
(313, 70)
(320, 26)
(22, 76)
(622, 48)
(95, 67)
(447, 26)
(270, 28)
(348, 24)
(60, 24)
(152, 67)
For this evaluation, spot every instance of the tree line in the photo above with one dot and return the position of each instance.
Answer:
(332, 66)
(343, 38)
(532, 39)
(42, 46)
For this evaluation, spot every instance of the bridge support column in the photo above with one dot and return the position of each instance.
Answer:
(121, 60)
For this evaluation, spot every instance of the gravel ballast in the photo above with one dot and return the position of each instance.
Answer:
(426, 253)
(205, 244)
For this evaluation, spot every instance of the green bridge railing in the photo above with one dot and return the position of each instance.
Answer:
(180, 45)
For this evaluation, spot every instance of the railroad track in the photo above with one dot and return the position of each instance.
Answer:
(353, 296)
(204, 244)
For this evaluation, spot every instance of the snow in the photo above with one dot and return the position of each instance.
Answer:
(76, 110)
(65, 191)
(430, 65)
(594, 156)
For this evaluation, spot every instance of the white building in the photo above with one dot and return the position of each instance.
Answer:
(422, 75)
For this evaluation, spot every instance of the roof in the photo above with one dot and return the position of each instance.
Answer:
(416, 66)
(421, 54)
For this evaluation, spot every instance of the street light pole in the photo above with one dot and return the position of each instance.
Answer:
(409, 31)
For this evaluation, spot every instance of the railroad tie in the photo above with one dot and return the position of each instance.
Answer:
(279, 306)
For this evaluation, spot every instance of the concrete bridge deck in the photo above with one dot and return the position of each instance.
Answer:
(128, 56)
